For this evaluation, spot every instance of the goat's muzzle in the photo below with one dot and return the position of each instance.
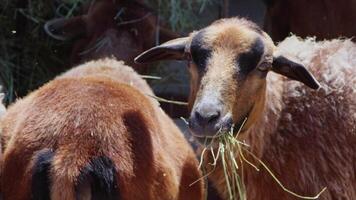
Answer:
(208, 121)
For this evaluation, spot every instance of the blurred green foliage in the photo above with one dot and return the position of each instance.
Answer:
(28, 58)
(182, 15)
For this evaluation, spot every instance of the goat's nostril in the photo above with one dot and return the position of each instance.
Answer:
(198, 116)
(213, 117)
(207, 117)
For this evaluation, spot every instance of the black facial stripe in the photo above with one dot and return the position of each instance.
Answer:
(248, 61)
(200, 54)
(200, 58)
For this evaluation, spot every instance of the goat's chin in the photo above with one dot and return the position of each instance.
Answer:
(212, 131)
(211, 137)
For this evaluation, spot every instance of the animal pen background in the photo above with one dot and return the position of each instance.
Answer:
(29, 57)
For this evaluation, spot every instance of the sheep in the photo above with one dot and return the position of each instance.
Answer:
(119, 28)
(306, 137)
(93, 133)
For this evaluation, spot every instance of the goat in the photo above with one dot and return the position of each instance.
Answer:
(306, 137)
(93, 133)
(119, 28)
(324, 19)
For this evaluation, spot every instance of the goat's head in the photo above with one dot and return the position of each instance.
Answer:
(119, 28)
(230, 61)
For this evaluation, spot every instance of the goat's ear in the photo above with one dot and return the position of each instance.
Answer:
(65, 29)
(293, 70)
(171, 50)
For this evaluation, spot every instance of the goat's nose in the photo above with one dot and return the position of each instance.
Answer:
(206, 115)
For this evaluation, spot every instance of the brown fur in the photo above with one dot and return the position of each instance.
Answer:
(92, 111)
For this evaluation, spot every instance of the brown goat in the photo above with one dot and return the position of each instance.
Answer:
(119, 28)
(324, 19)
(306, 137)
(93, 133)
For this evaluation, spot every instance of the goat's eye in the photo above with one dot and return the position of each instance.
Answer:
(200, 57)
(264, 66)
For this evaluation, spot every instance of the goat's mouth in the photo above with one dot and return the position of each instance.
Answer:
(210, 134)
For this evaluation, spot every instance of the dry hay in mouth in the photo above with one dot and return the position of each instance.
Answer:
(231, 154)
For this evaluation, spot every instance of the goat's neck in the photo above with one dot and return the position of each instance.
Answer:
(260, 133)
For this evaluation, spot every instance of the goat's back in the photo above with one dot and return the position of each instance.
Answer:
(83, 124)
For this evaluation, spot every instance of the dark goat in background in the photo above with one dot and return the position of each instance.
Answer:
(119, 28)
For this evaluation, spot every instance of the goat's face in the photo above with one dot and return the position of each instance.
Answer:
(230, 62)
